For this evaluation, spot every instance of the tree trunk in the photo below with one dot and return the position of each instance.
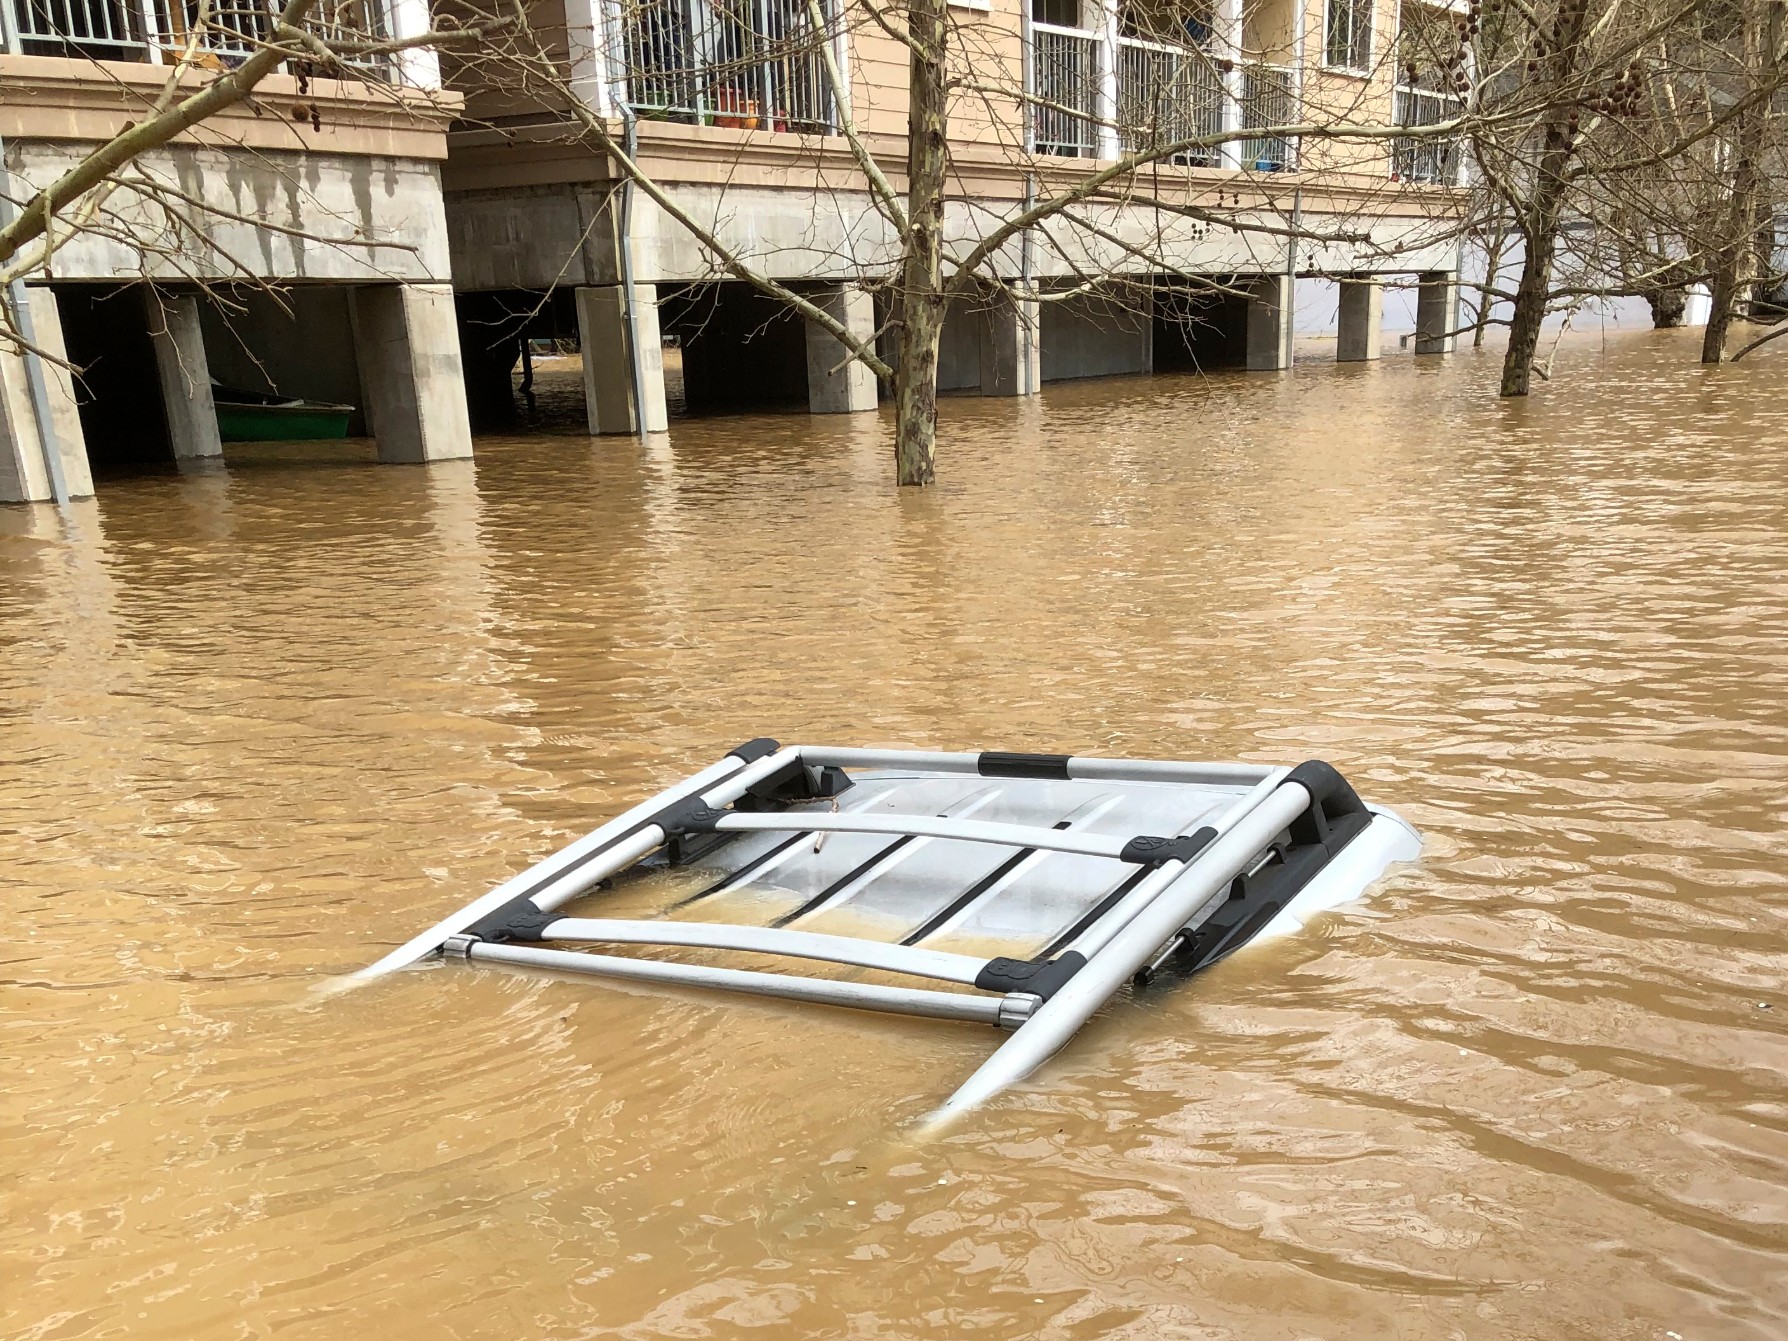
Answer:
(1721, 291)
(1668, 308)
(1539, 236)
(922, 296)
(1730, 261)
(1492, 268)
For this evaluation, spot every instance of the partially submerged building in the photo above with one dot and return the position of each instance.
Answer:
(361, 240)
(293, 246)
(732, 105)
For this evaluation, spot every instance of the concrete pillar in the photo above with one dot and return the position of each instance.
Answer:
(1437, 312)
(608, 368)
(1011, 346)
(1359, 322)
(24, 476)
(1269, 323)
(831, 388)
(406, 342)
(184, 372)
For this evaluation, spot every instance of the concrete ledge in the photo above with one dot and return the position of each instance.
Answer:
(56, 98)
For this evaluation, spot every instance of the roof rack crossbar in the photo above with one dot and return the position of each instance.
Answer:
(975, 1008)
(555, 880)
(1003, 875)
(1134, 946)
(940, 964)
(993, 763)
(1099, 931)
(931, 826)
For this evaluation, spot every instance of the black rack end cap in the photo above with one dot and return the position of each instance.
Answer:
(690, 815)
(1152, 850)
(519, 920)
(753, 750)
(1039, 977)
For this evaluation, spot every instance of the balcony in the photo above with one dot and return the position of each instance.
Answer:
(1094, 100)
(1436, 162)
(148, 30)
(1167, 94)
(744, 64)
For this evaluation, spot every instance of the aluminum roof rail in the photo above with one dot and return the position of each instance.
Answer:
(1092, 871)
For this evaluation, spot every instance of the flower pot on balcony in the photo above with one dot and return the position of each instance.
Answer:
(734, 111)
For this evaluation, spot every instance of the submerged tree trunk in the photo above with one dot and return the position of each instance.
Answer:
(1731, 262)
(1539, 236)
(1668, 308)
(922, 295)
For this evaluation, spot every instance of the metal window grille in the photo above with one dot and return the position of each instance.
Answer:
(110, 29)
(1065, 72)
(1268, 99)
(1347, 34)
(746, 64)
(1425, 160)
(137, 30)
(1167, 94)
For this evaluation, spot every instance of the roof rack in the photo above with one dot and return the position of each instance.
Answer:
(1095, 872)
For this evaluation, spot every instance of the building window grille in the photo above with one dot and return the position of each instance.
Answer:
(1347, 35)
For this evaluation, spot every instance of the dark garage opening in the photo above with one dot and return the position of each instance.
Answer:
(106, 328)
(1199, 329)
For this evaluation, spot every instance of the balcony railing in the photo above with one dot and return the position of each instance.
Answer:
(1269, 98)
(1436, 161)
(1159, 93)
(1065, 72)
(148, 30)
(747, 64)
(1167, 94)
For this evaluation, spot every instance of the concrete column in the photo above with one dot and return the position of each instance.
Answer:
(608, 368)
(24, 475)
(1269, 323)
(184, 372)
(831, 388)
(1359, 323)
(1011, 346)
(406, 342)
(1437, 312)
(1104, 22)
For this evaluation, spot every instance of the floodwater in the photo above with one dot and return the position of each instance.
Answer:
(261, 725)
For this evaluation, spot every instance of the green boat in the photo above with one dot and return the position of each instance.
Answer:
(260, 416)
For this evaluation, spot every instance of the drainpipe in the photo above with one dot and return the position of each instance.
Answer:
(20, 302)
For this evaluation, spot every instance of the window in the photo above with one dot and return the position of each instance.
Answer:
(1347, 36)
(1184, 23)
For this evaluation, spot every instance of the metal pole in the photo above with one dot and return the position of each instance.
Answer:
(1056, 1020)
(1079, 769)
(928, 826)
(1101, 933)
(940, 964)
(20, 302)
(574, 868)
(823, 991)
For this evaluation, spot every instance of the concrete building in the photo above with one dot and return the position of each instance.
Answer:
(736, 122)
(328, 188)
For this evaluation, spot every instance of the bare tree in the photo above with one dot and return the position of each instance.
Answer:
(967, 109)
(1623, 137)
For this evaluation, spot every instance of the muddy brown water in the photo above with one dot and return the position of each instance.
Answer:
(261, 725)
